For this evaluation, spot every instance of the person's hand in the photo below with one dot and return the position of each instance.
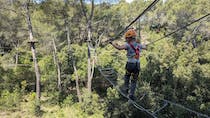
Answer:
(110, 40)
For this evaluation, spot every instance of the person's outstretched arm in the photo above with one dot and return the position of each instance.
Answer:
(119, 47)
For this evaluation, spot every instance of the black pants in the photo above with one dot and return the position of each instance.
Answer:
(132, 69)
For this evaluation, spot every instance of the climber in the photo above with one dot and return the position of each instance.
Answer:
(133, 63)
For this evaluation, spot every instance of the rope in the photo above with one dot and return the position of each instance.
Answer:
(133, 102)
(140, 15)
(167, 35)
(178, 105)
(166, 102)
(161, 108)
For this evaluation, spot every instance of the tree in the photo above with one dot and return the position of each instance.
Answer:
(89, 44)
(33, 50)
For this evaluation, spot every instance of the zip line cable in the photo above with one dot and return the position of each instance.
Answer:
(140, 15)
(167, 35)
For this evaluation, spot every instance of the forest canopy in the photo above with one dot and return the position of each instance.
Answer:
(51, 52)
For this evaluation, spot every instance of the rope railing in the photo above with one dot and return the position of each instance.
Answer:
(166, 102)
(131, 101)
(153, 114)
(140, 15)
(183, 27)
(183, 107)
(161, 108)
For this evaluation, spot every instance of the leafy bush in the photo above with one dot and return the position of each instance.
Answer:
(9, 100)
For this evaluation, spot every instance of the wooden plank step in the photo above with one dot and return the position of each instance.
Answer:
(106, 69)
(109, 73)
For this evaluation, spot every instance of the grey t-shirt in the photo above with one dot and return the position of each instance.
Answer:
(131, 52)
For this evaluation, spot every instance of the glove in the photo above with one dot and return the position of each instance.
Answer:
(110, 42)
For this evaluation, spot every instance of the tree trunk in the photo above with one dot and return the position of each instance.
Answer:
(16, 55)
(16, 59)
(89, 30)
(65, 17)
(90, 65)
(68, 35)
(56, 61)
(77, 83)
(11, 2)
(70, 54)
(194, 43)
(33, 50)
(89, 71)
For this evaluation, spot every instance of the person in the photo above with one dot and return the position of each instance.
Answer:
(133, 48)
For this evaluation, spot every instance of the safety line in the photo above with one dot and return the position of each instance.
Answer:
(147, 9)
(133, 102)
(180, 28)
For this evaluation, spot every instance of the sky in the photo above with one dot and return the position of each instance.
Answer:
(129, 1)
(98, 1)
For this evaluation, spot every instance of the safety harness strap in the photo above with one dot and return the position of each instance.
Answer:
(137, 50)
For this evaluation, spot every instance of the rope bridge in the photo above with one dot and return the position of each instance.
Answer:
(111, 76)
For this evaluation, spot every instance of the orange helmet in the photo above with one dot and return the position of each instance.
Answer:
(131, 33)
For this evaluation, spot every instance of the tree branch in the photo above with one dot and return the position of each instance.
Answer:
(83, 10)
(92, 10)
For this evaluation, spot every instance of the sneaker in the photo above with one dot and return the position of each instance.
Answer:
(124, 90)
(132, 97)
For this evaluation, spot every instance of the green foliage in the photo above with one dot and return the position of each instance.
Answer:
(112, 94)
(80, 56)
(91, 104)
(175, 68)
(68, 101)
(150, 101)
(10, 100)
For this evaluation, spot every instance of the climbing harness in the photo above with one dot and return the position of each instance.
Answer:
(137, 51)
